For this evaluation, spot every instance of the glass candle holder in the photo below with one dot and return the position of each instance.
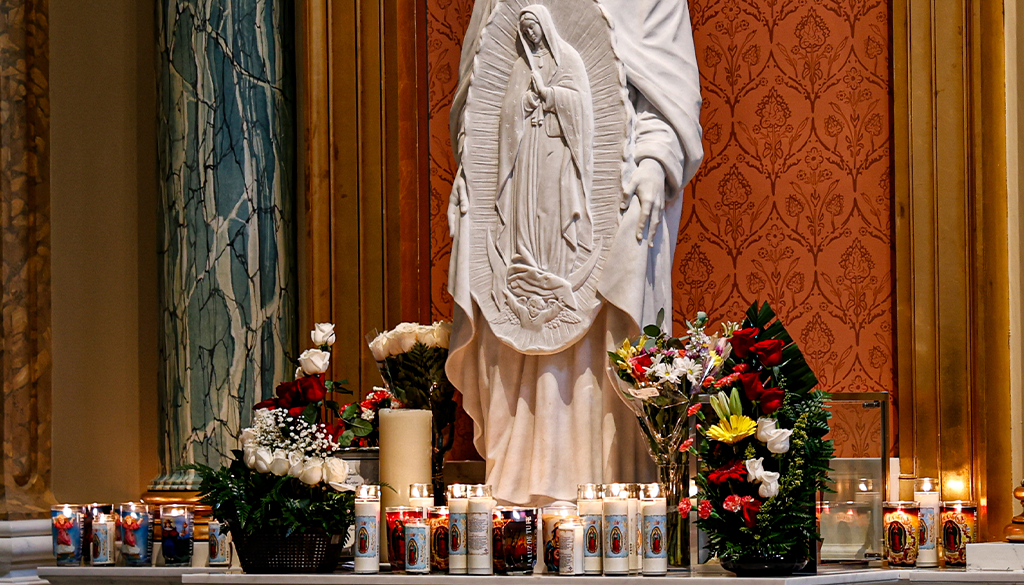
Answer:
(570, 546)
(89, 514)
(519, 539)
(589, 501)
(176, 532)
(367, 543)
(458, 506)
(437, 523)
(902, 530)
(926, 492)
(136, 534)
(396, 518)
(66, 520)
(421, 495)
(654, 529)
(615, 539)
(551, 517)
(480, 530)
(102, 539)
(219, 545)
(417, 546)
(959, 528)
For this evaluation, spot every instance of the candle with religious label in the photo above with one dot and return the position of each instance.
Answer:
(396, 518)
(458, 505)
(480, 530)
(367, 543)
(519, 539)
(591, 508)
(654, 521)
(219, 544)
(635, 541)
(91, 512)
(421, 495)
(550, 518)
(136, 534)
(615, 524)
(103, 538)
(417, 547)
(176, 534)
(926, 492)
(437, 523)
(902, 530)
(570, 546)
(959, 528)
(67, 534)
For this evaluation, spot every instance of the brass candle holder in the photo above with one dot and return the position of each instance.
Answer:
(1014, 531)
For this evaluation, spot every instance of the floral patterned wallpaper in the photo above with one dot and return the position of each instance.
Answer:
(792, 203)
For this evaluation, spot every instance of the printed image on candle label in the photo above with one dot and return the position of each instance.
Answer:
(366, 536)
(67, 537)
(102, 544)
(592, 535)
(457, 534)
(136, 544)
(416, 550)
(616, 528)
(481, 530)
(654, 537)
(927, 536)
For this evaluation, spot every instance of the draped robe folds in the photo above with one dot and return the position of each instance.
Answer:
(545, 423)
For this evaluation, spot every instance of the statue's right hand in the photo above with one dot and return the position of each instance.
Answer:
(458, 203)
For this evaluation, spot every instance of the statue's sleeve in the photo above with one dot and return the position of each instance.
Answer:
(656, 139)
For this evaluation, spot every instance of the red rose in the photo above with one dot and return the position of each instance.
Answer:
(771, 400)
(268, 404)
(312, 388)
(750, 509)
(640, 364)
(693, 409)
(741, 341)
(736, 470)
(741, 368)
(686, 444)
(289, 395)
(685, 506)
(769, 352)
(296, 411)
(752, 386)
(704, 509)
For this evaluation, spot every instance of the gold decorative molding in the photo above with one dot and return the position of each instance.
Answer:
(951, 250)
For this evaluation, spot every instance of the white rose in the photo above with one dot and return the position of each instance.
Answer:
(379, 347)
(405, 336)
(246, 438)
(299, 373)
(769, 484)
(314, 361)
(765, 428)
(263, 460)
(336, 474)
(443, 332)
(295, 461)
(426, 335)
(249, 456)
(779, 441)
(755, 467)
(312, 471)
(280, 464)
(322, 334)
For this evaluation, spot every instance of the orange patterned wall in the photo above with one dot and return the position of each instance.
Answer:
(792, 203)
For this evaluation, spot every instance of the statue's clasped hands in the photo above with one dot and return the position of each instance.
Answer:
(538, 86)
(648, 184)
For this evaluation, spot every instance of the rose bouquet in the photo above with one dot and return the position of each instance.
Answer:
(764, 457)
(411, 359)
(661, 377)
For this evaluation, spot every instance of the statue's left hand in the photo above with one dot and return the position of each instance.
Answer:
(458, 202)
(648, 184)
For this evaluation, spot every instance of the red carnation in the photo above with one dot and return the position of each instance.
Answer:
(686, 444)
(741, 368)
(771, 400)
(732, 503)
(693, 409)
(769, 352)
(640, 364)
(752, 386)
(708, 382)
(742, 340)
(704, 509)
(685, 506)
(736, 470)
(727, 380)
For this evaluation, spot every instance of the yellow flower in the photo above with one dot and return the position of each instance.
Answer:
(716, 360)
(733, 430)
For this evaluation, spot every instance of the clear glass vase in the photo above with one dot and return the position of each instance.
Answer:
(673, 477)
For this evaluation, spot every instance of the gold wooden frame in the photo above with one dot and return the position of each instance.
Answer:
(952, 282)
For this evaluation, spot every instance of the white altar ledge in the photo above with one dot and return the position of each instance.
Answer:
(121, 575)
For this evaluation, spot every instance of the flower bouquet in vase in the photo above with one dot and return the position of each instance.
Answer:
(763, 454)
(660, 378)
(284, 496)
(411, 359)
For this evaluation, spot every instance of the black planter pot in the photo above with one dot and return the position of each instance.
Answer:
(764, 566)
(309, 552)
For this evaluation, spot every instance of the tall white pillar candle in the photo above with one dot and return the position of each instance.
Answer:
(654, 528)
(421, 495)
(591, 508)
(480, 531)
(615, 523)
(635, 541)
(367, 542)
(570, 547)
(405, 448)
(458, 506)
(926, 492)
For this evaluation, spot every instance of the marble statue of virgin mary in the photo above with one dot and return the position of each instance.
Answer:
(548, 274)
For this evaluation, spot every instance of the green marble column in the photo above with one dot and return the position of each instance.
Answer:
(227, 221)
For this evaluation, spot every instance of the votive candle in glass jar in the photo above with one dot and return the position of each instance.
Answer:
(176, 532)
(458, 506)
(367, 543)
(551, 517)
(570, 546)
(591, 509)
(959, 528)
(437, 523)
(480, 530)
(89, 514)
(397, 517)
(421, 495)
(66, 521)
(104, 535)
(519, 539)
(219, 545)
(616, 525)
(635, 538)
(902, 530)
(136, 534)
(417, 547)
(926, 492)
(654, 523)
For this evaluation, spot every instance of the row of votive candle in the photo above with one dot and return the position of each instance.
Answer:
(97, 534)
(615, 529)
(909, 539)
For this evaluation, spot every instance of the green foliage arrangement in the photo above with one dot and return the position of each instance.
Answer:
(763, 452)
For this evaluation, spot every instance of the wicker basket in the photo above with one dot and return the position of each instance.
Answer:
(308, 552)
